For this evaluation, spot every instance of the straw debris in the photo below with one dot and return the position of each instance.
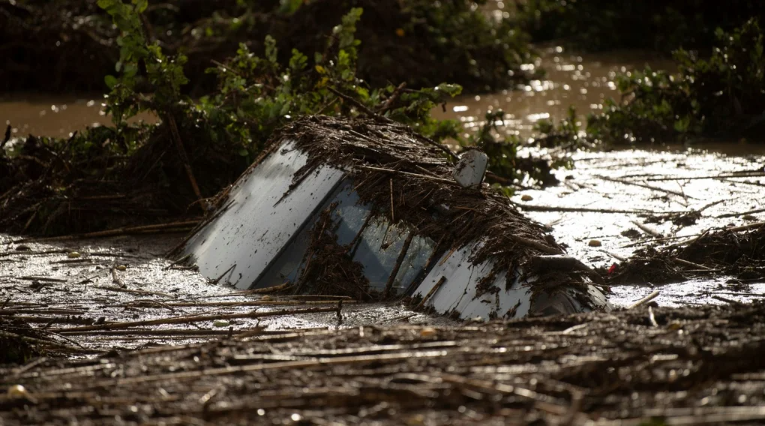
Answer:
(403, 175)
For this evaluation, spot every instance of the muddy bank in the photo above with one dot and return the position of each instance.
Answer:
(668, 366)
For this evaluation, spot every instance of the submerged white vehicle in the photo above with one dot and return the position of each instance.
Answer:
(373, 211)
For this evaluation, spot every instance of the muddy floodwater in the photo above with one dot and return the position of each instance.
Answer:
(601, 211)
(55, 116)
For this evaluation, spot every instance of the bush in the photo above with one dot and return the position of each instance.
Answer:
(721, 97)
(420, 42)
(663, 26)
(129, 174)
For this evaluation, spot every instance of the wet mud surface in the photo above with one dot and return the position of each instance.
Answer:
(614, 204)
(99, 295)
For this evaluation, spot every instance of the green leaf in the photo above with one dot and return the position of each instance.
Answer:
(450, 89)
(141, 5)
(110, 81)
(288, 7)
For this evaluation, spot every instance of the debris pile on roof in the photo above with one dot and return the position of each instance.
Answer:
(409, 180)
(370, 209)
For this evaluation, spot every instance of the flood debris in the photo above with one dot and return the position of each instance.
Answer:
(371, 210)
(699, 365)
(735, 251)
(53, 309)
(20, 342)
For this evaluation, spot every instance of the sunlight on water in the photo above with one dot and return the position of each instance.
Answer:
(581, 81)
(55, 116)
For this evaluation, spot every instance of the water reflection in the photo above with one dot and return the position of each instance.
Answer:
(581, 81)
(55, 116)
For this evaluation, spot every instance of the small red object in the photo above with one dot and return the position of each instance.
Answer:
(612, 269)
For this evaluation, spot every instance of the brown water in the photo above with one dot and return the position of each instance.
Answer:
(581, 81)
(54, 116)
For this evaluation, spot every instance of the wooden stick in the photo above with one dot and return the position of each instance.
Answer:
(740, 214)
(392, 215)
(432, 291)
(54, 311)
(417, 175)
(534, 244)
(176, 137)
(647, 230)
(162, 332)
(142, 292)
(713, 203)
(644, 300)
(44, 279)
(346, 299)
(193, 319)
(251, 303)
(726, 300)
(642, 185)
(399, 261)
(652, 318)
(392, 99)
(115, 232)
(533, 208)
(615, 256)
(359, 105)
(720, 176)
(691, 264)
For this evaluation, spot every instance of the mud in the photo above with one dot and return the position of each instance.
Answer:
(630, 200)
(74, 292)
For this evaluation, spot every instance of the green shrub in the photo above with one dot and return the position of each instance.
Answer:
(663, 26)
(148, 171)
(420, 42)
(722, 96)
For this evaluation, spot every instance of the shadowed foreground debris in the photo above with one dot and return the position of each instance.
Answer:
(692, 366)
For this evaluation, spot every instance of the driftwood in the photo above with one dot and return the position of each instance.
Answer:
(192, 319)
(158, 228)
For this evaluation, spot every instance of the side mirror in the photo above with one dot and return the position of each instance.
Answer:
(471, 169)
